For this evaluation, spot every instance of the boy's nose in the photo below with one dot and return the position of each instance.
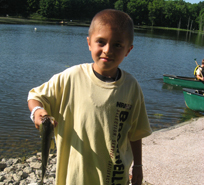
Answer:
(107, 49)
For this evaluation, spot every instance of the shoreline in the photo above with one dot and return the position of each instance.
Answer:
(14, 20)
(170, 156)
(32, 21)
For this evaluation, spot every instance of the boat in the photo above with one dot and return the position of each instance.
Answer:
(194, 99)
(186, 82)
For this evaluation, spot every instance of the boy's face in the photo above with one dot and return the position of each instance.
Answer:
(108, 48)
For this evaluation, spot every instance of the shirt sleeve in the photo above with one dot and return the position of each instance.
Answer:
(140, 126)
(198, 71)
(48, 93)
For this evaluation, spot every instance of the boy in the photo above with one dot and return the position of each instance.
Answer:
(99, 109)
(200, 72)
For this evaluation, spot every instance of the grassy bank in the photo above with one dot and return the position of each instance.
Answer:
(40, 20)
(168, 28)
(17, 20)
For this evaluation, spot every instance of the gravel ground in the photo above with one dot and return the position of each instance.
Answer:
(175, 156)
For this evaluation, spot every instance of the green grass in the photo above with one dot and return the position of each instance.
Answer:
(167, 28)
(15, 20)
(37, 19)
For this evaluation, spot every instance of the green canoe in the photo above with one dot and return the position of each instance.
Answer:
(194, 99)
(188, 82)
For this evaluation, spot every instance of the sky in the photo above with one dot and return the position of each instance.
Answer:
(193, 1)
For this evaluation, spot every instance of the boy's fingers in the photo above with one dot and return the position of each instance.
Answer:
(38, 117)
(37, 126)
(137, 176)
(55, 123)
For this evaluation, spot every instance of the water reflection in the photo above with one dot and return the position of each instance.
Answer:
(187, 36)
(29, 58)
(171, 87)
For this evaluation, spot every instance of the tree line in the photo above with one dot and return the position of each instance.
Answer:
(165, 13)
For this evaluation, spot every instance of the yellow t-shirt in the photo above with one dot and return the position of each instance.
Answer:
(96, 121)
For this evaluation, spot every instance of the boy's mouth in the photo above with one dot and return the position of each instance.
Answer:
(106, 59)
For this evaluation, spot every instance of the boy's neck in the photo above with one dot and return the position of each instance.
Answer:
(108, 74)
(107, 78)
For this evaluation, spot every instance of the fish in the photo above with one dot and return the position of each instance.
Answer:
(47, 133)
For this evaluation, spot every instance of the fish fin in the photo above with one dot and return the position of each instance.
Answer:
(40, 129)
(52, 144)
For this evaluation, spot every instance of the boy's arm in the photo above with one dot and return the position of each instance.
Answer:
(39, 113)
(137, 174)
(200, 78)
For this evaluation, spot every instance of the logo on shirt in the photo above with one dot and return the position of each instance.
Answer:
(124, 105)
(115, 171)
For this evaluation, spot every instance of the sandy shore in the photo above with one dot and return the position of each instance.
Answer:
(175, 156)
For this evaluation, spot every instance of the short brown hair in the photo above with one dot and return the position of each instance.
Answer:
(203, 61)
(118, 19)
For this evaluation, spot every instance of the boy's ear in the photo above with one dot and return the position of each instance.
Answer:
(130, 48)
(88, 41)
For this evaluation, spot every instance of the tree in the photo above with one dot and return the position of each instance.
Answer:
(138, 10)
(201, 5)
(169, 11)
(33, 6)
(172, 13)
(13, 7)
(200, 20)
(193, 13)
(119, 5)
(156, 12)
(50, 8)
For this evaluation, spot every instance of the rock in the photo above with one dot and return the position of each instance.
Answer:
(2, 177)
(2, 165)
(23, 182)
(15, 172)
(8, 169)
(16, 178)
(32, 159)
(35, 165)
(27, 170)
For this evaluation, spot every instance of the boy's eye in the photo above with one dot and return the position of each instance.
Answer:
(100, 42)
(118, 45)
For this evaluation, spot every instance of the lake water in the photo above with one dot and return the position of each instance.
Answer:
(28, 58)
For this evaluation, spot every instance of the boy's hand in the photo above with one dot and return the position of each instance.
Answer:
(137, 176)
(39, 113)
(38, 117)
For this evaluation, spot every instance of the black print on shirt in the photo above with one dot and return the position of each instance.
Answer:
(124, 105)
(115, 170)
(118, 167)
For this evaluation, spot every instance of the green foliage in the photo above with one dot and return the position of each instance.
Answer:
(119, 5)
(168, 13)
(49, 8)
(156, 11)
(13, 7)
(138, 11)
(33, 6)
(200, 20)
